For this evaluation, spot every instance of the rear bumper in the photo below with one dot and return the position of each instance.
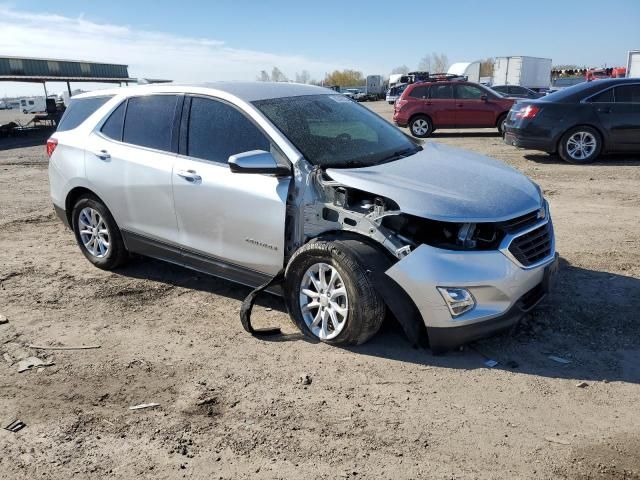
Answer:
(521, 139)
(61, 213)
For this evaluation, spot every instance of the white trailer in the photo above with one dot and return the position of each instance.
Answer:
(529, 72)
(471, 70)
(375, 87)
(33, 105)
(633, 64)
(394, 79)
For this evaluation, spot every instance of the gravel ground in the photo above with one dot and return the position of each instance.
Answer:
(232, 406)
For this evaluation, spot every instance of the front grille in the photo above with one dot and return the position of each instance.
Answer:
(520, 223)
(532, 246)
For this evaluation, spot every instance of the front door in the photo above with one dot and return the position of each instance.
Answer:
(228, 220)
(475, 108)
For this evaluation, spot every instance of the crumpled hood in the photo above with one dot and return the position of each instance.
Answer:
(448, 184)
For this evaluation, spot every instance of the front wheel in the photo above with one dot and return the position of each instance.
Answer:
(421, 127)
(580, 145)
(329, 294)
(97, 234)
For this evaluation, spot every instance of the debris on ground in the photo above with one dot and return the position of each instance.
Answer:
(559, 359)
(582, 385)
(30, 363)
(3, 319)
(78, 347)
(305, 379)
(15, 426)
(557, 440)
(491, 363)
(144, 405)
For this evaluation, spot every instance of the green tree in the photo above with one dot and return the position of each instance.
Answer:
(345, 78)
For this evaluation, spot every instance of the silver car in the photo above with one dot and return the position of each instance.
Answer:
(243, 180)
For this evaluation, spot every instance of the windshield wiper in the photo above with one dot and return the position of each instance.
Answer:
(407, 152)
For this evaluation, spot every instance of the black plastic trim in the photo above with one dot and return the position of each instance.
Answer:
(61, 213)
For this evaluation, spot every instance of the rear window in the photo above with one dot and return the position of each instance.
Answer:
(149, 121)
(79, 110)
(441, 91)
(628, 94)
(419, 92)
(112, 128)
(603, 97)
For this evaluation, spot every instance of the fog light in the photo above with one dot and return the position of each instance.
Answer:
(459, 300)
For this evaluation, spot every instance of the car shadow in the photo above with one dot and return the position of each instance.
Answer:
(30, 138)
(468, 134)
(609, 160)
(588, 324)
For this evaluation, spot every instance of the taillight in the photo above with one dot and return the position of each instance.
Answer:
(528, 111)
(52, 143)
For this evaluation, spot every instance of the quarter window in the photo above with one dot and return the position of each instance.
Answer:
(628, 94)
(112, 128)
(149, 121)
(218, 130)
(79, 110)
(441, 91)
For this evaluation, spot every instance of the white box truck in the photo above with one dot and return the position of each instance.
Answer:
(633, 64)
(33, 105)
(529, 72)
(471, 70)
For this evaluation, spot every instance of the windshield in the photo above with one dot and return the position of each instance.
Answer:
(332, 131)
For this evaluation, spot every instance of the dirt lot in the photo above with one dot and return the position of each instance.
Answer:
(232, 406)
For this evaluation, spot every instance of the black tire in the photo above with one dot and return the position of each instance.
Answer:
(501, 119)
(117, 254)
(565, 148)
(421, 126)
(366, 309)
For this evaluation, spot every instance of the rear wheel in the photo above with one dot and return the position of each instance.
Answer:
(97, 234)
(580, 145)
(329, 295)
(421, 126)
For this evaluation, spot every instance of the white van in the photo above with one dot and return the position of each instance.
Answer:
(33, 105)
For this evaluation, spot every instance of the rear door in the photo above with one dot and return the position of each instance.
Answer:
(129, 161)
(224, 217)
(472, 110)
(441, 105)
(618, 110)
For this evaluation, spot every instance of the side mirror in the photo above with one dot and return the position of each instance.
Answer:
(484, 98)
(256, 161)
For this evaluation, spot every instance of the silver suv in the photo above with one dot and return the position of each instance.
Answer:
(243, 180)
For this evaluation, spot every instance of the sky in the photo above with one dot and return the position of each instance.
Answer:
(199, 40)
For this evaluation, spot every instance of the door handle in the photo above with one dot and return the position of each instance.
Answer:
(189, 175)
(604, 110)
(102, 155)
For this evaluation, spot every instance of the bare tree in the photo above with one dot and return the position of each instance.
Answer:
(439, 62)
(277, 75)
(264, 76)
(425, 64)
(303, 77)
(402, 70)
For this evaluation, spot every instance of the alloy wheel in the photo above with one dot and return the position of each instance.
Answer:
(94, 232)
(581, 145)
(420, 127)
(323, 301)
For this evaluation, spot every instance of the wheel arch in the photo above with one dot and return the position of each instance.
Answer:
(500, 117)
(73, 196)
(590, 125)
(397, 301)
(416, 115)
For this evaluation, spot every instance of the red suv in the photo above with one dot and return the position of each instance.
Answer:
(425, 106)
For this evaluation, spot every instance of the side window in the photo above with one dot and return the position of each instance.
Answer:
(218, 130)
(441, 91)
(628, 94)
(603, 97)
(112, 128)
(149, 121)
(468, 92)
(79, 110)
(419, 92)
